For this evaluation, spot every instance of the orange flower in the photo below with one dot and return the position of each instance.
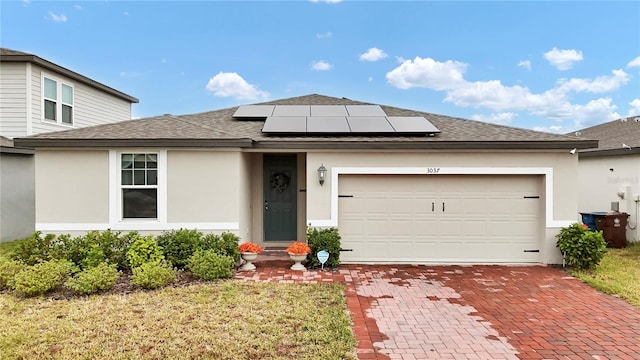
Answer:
(249, 247)
(299, 248)
(585, 226)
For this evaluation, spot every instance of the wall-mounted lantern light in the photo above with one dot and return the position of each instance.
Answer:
(322, 174)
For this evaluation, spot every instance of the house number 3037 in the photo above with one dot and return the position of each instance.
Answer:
(433, 170)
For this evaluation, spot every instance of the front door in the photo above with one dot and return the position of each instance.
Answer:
(280, 197)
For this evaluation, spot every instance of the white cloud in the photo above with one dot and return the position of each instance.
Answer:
(594, 112)
(563, 59)
(601, 84)
(373, 54)
(326, 35)
(230, 84)
(635, 107)
(427, 73)
(57, 18)
(502, 118)
(558, 129)
(26, 2)
(634, 63)
(126, 13)
(370, 79)
(321, 65)
(78, 7)
(525, 64)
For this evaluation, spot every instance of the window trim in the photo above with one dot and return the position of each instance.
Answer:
(58, 100)
(115, 188)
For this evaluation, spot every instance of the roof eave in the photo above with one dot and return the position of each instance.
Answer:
(439, 145)
(89, 143)
(69, 73)
(16, 150)
(609, 152)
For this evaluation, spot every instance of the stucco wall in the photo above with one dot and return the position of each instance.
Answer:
(72, 186)
(17, 202)
(600, 180)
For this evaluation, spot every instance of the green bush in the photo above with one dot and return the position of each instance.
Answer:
(224, 244)
(36, 248)
(581, 247)
(144, 250)
(9, 269)
(42, 277)
(210, 265)
(323, 239)
(91, 280)
(152, 275)
(179, 245)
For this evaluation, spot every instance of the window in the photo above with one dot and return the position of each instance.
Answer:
(57, 101)
(139, 184)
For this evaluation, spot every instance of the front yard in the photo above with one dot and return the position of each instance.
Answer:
(217, 320)
(618, 274)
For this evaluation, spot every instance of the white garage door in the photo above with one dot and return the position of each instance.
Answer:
(440, 218)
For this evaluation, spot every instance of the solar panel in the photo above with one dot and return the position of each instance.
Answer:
(412, 124)
(292, 110)
(329, 110)
(254, 111)
(327, 125)
(285, 125)
(369, 124)
(365, 110)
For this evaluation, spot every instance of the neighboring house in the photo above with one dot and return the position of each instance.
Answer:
(402, 186)
(38, 96)
(610, 173)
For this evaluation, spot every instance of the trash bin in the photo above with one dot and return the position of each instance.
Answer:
(589, 219)
(614, 228)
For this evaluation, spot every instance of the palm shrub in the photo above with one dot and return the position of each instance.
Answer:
(210, 265)
(581, 247)
(323, 239)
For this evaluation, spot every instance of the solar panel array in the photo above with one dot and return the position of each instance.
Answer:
(333, 120)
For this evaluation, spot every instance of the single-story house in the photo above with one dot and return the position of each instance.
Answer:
(609, 175)
(402, 186)
(39, 96)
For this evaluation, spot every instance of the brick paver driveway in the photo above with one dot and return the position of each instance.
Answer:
(475, 312)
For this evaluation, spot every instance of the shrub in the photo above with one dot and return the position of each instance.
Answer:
(324, 239)
(224, 244)
(89, 281)
(9, 269)
(210, 265)
(42, 277)
(581, 247)
(36, 248)
(144, 250)
(179, 245)
(152, 275)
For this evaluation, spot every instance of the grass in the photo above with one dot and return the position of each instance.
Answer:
(221, 320)
(618, 274)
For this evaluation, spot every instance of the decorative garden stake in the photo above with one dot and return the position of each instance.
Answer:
(323, 256)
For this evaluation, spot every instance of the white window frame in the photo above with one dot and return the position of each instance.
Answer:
(116, 214)
(58, 100)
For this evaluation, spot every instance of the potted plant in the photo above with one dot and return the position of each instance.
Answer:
(298, 252)
(249, 252)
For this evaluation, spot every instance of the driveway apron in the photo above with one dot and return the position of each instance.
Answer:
(474, 312)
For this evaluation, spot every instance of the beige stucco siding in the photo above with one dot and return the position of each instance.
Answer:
(244, 193)
(72, 186)
(602, 178)
(203, 186)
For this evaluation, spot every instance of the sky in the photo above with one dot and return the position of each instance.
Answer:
(555, 66)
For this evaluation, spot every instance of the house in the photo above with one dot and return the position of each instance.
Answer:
(609, 175)
(38, 96)
(402, 186)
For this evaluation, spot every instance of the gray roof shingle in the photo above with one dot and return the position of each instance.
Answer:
(611, 135)
(220, 126)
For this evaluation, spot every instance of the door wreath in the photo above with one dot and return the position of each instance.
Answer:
(280, 182)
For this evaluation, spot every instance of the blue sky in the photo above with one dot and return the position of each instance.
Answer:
(545, 65)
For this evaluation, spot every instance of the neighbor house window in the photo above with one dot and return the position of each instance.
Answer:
(139, 185)
(57, 101)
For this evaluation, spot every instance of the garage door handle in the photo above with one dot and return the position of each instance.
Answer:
(442, 207)
(433, 207)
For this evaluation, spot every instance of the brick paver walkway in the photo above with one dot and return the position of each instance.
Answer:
(474, 312)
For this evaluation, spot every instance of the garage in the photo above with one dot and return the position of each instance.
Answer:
(441, 218)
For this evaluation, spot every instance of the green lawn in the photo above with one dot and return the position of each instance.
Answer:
(618, 274)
